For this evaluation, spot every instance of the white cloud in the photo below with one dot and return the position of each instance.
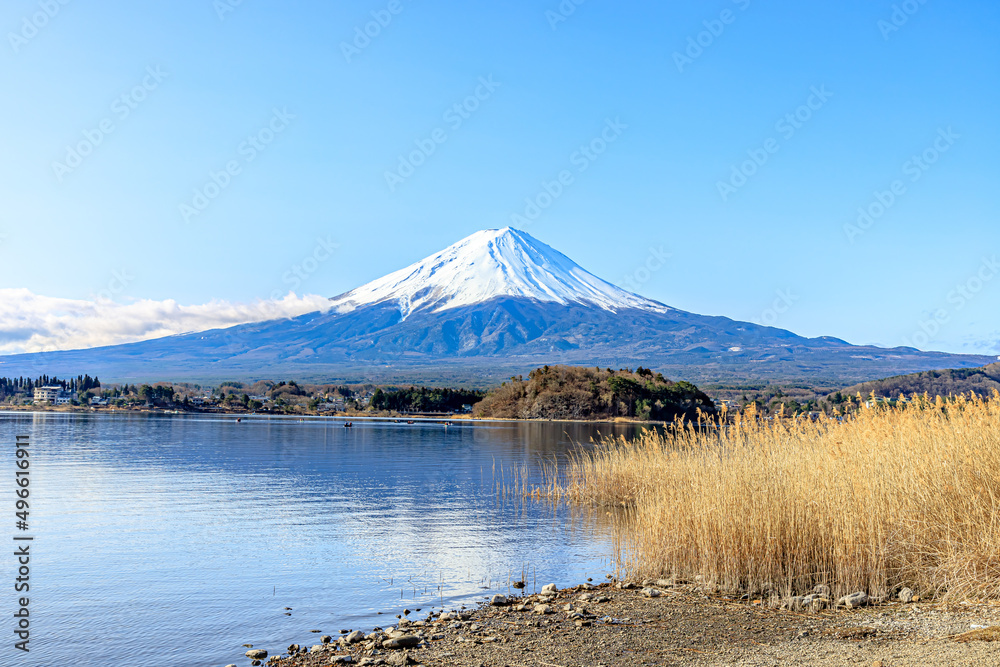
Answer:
(33, 323)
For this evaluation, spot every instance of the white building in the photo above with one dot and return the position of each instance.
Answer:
(54, 395)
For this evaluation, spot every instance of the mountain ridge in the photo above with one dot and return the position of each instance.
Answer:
(497, 303)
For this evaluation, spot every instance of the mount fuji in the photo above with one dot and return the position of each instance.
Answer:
(496, 303)
(492, 264)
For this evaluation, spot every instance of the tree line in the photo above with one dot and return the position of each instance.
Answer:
(424, 399)
(10, 386)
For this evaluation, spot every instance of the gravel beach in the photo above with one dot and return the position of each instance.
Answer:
(662, 624)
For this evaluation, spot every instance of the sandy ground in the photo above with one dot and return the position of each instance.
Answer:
(679, 627)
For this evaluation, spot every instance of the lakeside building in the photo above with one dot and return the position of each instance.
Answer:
(53, 395)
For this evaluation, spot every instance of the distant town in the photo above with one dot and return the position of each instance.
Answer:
(287, 397)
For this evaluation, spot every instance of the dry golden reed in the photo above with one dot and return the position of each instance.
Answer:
(889, 497)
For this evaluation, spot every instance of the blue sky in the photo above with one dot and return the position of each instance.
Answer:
(746, 137)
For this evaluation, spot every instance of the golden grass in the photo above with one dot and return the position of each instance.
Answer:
(889, 497)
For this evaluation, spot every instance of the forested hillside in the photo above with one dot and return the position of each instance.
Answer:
(573, 392)
(936, 383)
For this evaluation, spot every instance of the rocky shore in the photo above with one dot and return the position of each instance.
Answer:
(662, 623)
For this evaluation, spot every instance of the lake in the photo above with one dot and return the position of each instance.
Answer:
(175, 539)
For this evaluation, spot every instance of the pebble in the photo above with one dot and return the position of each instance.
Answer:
(542, 609)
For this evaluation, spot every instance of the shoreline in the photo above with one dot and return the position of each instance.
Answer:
(427, 418)
(657, 623)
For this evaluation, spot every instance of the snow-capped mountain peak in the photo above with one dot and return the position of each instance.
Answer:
(489, 264)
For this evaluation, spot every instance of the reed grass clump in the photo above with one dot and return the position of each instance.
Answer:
(886, 498)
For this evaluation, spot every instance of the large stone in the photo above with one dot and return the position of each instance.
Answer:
(256, 654)
(400, 660)
(814, 602)
(542, 609)
(403, 641)
(549, 589)
(498, 601)
(355, 637)
(854, 600)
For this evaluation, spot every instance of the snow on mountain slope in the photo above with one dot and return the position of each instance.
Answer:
(488, 264)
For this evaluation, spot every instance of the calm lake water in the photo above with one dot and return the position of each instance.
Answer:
(175, 539)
